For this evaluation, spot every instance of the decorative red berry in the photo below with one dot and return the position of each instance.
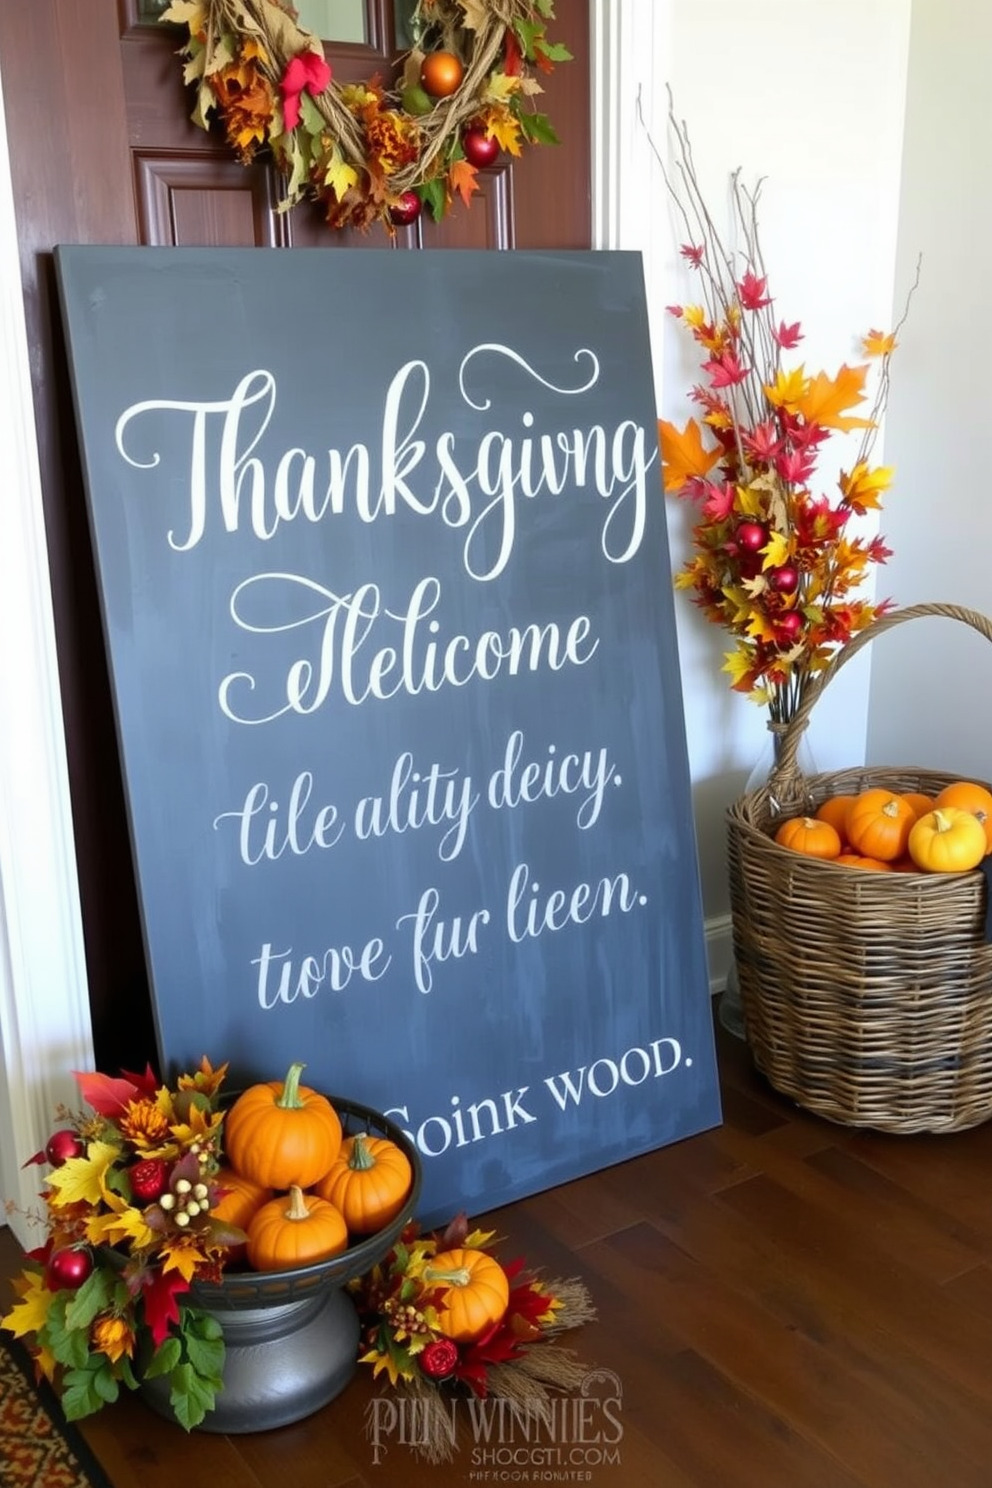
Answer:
(68, 1269)
(751, 536)
(405, 209)
(148, 1180)
(62, 1145)
(481, 149)
(788, 627)
(785, 579)
(439, 1358)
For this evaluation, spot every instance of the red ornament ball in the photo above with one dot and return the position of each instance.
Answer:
(751, 536)
(788, 627)
(62, 1145)
(405, 209)
(480, 148)
(68, 1269)
(785, 579)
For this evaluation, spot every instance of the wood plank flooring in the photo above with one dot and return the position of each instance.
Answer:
(783, 1304)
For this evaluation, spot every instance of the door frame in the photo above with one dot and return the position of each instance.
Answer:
(45, 1027)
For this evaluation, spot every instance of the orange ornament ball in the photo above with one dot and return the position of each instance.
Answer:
(441, 73)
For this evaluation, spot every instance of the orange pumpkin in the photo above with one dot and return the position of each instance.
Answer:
(296, 1229)
(967, 796)
(948, 840)
(477, 1292)
(282, 1132)
(920, 803)
(241, 1198)
(879, 823)
(856, 860)
(369, 1182)
(834, 811)
(804, 834)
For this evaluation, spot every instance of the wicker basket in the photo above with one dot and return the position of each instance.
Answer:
(867, 997)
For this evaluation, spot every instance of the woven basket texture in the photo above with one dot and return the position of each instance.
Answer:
(867, 997)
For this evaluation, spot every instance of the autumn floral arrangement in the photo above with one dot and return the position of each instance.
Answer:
(441, 1316)
(373, 151)
(778, 562)
(129, 1196)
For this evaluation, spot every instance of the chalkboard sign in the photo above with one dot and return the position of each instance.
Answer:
(381, 547)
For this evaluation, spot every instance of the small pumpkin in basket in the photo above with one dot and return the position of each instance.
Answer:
(878, 824)
(281, 1132)
(920, 803)
(295, 1229)
(477, 1292)
(857, 860)
(834, 810)
(369, 1182)
(947, 840)
(967, 796)
(807, 835)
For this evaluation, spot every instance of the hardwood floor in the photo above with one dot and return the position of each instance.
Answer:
(785, 1304)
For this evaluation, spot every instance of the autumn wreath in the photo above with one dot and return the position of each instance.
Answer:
(370, 151)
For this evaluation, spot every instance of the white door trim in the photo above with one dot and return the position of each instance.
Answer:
(45, 1029)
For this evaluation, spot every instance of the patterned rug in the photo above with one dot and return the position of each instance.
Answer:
(38, 1447)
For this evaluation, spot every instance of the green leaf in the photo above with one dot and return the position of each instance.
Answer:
(206, 1355)
(434, 198)
(555, 51)
(200, 1324)
(191, 1397)
(70, 1346)
(105, 1383)
(127, 1374)
(311, 118)
(92, 1297)
(528, 33)
(80, 1396)
(538, 128)
(165, 1358)
(545, 8)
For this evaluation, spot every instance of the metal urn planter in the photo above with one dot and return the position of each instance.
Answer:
(291, 1337)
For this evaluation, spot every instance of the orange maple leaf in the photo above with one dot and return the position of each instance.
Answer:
(877, 343)
(825, 399)
(683, 455)
(462, 177)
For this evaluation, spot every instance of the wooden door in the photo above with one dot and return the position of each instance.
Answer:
(103, 151)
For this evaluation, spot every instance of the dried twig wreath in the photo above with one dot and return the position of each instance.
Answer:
(369, 151)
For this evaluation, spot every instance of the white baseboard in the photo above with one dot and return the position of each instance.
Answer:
(719, 951)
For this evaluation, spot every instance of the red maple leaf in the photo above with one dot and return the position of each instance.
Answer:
(796, 466)
(752, 291)
(693, 254)
(105, 1094)
(161, 1305)
(725, 370)
(788, 336)
(718, 501)
(763, 443)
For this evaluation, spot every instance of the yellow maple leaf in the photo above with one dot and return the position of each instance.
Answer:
(462, 177)
(877, 344)
(863, 488)
(30, 1313)
(179, 1255)
(504, 128)
(776, 551)
(826, 399)
(81, 1180)
(683, 455)
(787, 389)
(500, 88)
(122, 1222)
(191, 13)
(737, 664)
(339, 175)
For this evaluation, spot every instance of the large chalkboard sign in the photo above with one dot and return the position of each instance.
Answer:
(381, 547)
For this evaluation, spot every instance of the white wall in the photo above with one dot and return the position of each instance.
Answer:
(931, 703)
(809, 95)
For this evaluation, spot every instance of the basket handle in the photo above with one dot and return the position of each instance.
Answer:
(786, 768)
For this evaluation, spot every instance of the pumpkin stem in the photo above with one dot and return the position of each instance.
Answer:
(289, 1100)
(297, 1204)
(941, 821)
(361, 1159)
(455, 1276)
